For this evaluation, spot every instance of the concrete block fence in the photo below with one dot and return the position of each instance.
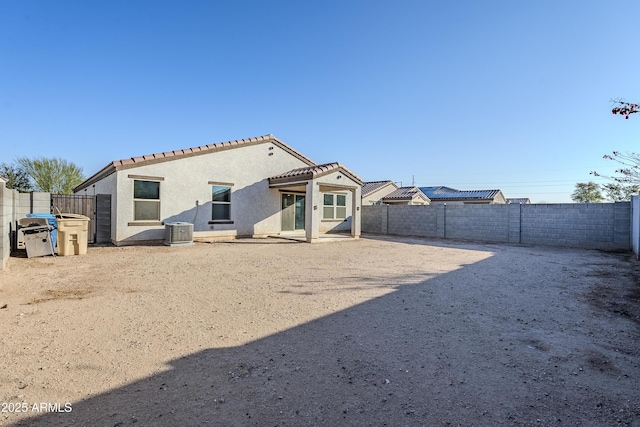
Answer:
(13, 206)
(635, 225)
(606, 226)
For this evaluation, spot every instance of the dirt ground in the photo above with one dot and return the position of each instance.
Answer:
(368, 332)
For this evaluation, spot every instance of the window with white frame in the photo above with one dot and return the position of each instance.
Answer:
(335, 206)
(220, 203)
(146, 200)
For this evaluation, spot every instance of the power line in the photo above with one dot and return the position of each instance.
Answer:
(545, 183)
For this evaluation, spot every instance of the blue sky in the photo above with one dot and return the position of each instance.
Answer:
(469, 94)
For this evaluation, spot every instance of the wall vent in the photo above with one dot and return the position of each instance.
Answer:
(178, 234)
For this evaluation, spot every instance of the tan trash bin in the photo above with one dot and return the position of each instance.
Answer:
(73, 230)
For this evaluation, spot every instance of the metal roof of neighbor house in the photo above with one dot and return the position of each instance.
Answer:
(448, 193)
(372, 186)
(405, 193)
(188, 152)
(314, 171)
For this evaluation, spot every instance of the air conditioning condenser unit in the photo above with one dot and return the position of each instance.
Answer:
(178, 234)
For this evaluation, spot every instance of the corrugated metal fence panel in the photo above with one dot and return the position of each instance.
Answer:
(103, 218)
(82, 205)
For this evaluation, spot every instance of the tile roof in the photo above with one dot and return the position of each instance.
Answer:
(187, 152)
(372, 186)
(314, 171)
(448, 193)
(405, 193)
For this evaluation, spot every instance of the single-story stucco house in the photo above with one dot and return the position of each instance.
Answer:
(253, 187)
(388, 193)
(406, 196)
(374, 191)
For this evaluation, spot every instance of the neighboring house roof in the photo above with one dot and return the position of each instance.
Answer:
(520, 201)
(448, 193)
(3, 179)
(405, 194)
(188, 152)
(314, 171)
(373, 186)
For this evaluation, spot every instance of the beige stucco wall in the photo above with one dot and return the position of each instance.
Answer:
(499, 199)
(334, 225)
(107, 185)
(338, 179)
(185, 193)
(374, 197)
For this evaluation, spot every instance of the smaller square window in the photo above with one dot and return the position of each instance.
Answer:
(335, 206)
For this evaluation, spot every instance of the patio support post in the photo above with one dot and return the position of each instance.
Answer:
(313, 209)
(356, 197)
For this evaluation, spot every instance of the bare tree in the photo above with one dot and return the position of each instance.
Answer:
(624, 108)
(630, 170)
(629, 179)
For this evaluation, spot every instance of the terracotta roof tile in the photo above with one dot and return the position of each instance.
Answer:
(155, 158)
(371, 186)
(405, 193)
(314, 171)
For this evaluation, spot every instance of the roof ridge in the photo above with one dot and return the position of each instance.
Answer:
(203, 149)
(317, 171)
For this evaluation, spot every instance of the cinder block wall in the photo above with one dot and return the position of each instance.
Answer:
(27, 203)
(6, 215)
(635, 225)
(405, 220)
(375, 218)
(477, 222)
(583, 225)
(595, 225)
(13, 206)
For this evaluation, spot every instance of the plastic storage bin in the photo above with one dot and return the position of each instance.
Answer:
(72, 234)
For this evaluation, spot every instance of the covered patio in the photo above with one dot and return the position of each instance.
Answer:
(322, 237)
(304, 194)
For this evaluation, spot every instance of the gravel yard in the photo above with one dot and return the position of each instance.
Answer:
(375, 331)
